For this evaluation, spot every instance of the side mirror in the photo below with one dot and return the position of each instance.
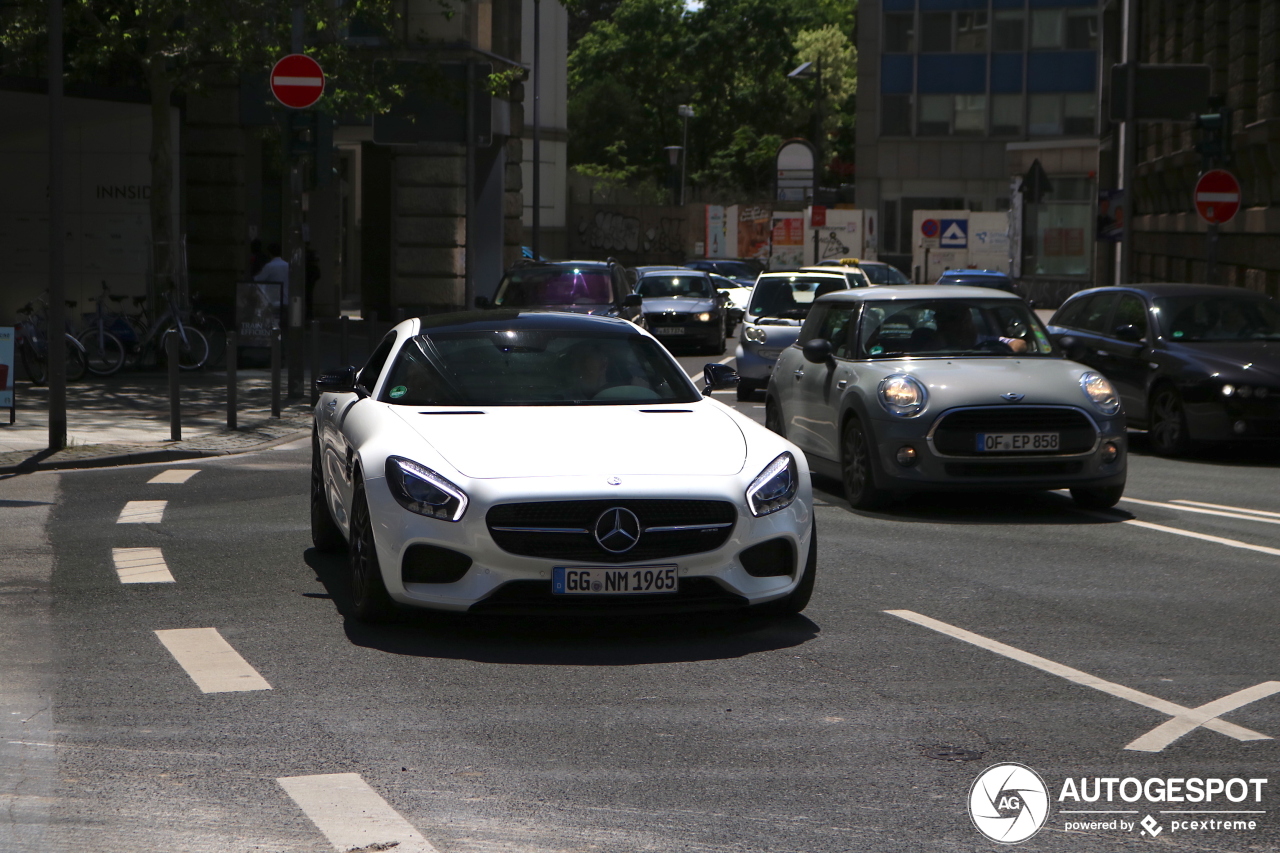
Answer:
(1129, 333)
(339, 382)
(482, 302)
(817, 351)
(632, 300)
(1073, 348)
(718, 377)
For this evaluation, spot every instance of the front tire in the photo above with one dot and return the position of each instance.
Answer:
(773, 418)
(1167, 431)
(1104, 497)
(370, 601)
(857, 469)
(325, 534)
(798, 599)
(746, 389)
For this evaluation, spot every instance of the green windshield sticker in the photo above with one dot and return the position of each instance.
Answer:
(1177, 334)
(1043, 340)
(876, 350)
(398, 392)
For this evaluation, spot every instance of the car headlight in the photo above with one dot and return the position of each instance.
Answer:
(705, 317)
(902, 395)
(754, 334)
(419, 489)
(775, 488)
(1101, 393)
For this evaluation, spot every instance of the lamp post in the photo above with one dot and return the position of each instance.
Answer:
(686, 112)
(813, 71)
(673, 155)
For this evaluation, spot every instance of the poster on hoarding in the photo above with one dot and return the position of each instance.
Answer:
(716, 232)
(753, 232)
(258, 305)
(788, 241)
(7, 335)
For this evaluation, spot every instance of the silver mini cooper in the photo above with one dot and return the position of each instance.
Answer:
(904, 389)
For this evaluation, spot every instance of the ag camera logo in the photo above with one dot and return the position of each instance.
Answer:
(1009, 803)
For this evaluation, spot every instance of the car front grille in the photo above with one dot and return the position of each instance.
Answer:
(956, 432)
(669, 318)
(1013, 468)
(565, 530)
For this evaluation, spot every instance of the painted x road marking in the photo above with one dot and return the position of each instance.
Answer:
(1184, 719)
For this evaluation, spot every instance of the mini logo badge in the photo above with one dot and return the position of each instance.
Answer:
(617, 530)
(1011, 397)
(1009, 803)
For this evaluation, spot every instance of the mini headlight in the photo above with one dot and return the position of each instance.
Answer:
(754, 334)
(704, 317)
(419, 489)
(1228, 390)
(1100, 392)
(775, 488)
(902, 395)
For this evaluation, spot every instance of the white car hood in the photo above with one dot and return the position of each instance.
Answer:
(696, 439)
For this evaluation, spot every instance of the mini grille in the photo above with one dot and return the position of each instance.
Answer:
(582, 515)
(1013, 468)
(957, 431)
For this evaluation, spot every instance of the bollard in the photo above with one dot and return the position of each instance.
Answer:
(275, 373)
(175, 403)
(232, 354)
(315, 360)
(344, 341)
(372, 329)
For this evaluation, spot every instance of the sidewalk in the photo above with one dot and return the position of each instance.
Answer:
(124, 420)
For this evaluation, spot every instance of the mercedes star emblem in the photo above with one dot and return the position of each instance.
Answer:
(614, 481)
(617, 530)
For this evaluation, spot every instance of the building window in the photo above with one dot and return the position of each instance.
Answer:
(1046, 115)
(1079, 113)
(935, 32)
(935, 115)
(1006, 115)
(971, 115)
(900, 32)
(1082, 30)
(1047, 27)
(1009, 33)
(895, 115)
(971, 32)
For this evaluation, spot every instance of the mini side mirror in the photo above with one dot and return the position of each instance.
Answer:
(817, 351)
(339, 382)
(718, 377)
(1073, 348)
(632, 300)
(482, 302)
(1130, 333)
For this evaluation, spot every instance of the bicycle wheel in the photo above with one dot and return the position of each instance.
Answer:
(36, 367)
(104, 351)
(216, 334)
(193, 353)
(77, 364)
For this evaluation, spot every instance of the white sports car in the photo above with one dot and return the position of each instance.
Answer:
(507, 461)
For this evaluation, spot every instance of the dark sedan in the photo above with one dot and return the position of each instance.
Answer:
(1193, 363)
(682, 306)
(582, 287)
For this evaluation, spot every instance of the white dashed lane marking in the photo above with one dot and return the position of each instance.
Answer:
(174, 475)
(1224, 512)
(352, 815)
(142, 512)
(141, 565)
(1251, 512)
(1184, 719)
(213, 665)
(1217, 540)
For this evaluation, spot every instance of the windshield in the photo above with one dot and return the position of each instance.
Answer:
(737, 269)
(790, 297)
(883, 274)
(667, 284)
(950, 327)
(534, 368)
(1219, 318)
(997, 282)
(536, 286)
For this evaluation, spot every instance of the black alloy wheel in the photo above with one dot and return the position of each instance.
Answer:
(1104, 497)
(773, 418)
(1167, 431)
(325, 534)
(798, 599)
(856, 467)
(370, 601)
(746, 389)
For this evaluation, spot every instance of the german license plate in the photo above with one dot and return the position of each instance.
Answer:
(668, 330)
(634, 580)
(1028, 442)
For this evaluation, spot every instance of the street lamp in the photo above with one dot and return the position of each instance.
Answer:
(686, 112)
(813, 71)
(673, 155)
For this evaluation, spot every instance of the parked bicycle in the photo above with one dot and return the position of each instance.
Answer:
(104, 337)
(33, 348)
(152, 344)
(213, 329)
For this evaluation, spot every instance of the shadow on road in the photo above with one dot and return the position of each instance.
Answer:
(1243, 454)
(567, 640)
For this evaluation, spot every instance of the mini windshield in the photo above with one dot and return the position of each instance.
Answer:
(790, 297)
(996, 282)
(1219, 318)
(951, 327)
(529, 288)
(534, 368)
(883, 274)
(673, 284)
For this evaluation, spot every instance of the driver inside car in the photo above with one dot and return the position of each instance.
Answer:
(956, 331)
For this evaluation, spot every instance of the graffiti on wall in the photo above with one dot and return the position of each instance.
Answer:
(606, 231)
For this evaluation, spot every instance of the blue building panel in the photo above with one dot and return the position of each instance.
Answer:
(949, 5)
(1006, 73)
(897, 73)
(1062, 71)
(953, 73)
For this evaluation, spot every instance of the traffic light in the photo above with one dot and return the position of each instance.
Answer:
(1214, 144)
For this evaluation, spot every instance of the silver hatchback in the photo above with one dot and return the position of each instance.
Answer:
(905, 389)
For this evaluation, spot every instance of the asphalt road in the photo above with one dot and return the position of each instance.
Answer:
(946, 636)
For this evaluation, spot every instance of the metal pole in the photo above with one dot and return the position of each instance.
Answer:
(469, 252)
(275, 373)
(344, 340)
(1211, 254)
(54, 339)
(1129, 152)
(233, 352)
(684, 155)
(315, 360)
(296, 291)
(534, 238)
(175, 401)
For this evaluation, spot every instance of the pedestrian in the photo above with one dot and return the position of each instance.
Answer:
(257, 258)
(276, 269)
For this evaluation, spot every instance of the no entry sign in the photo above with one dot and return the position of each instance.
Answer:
(1217, 196)
(297, 81)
